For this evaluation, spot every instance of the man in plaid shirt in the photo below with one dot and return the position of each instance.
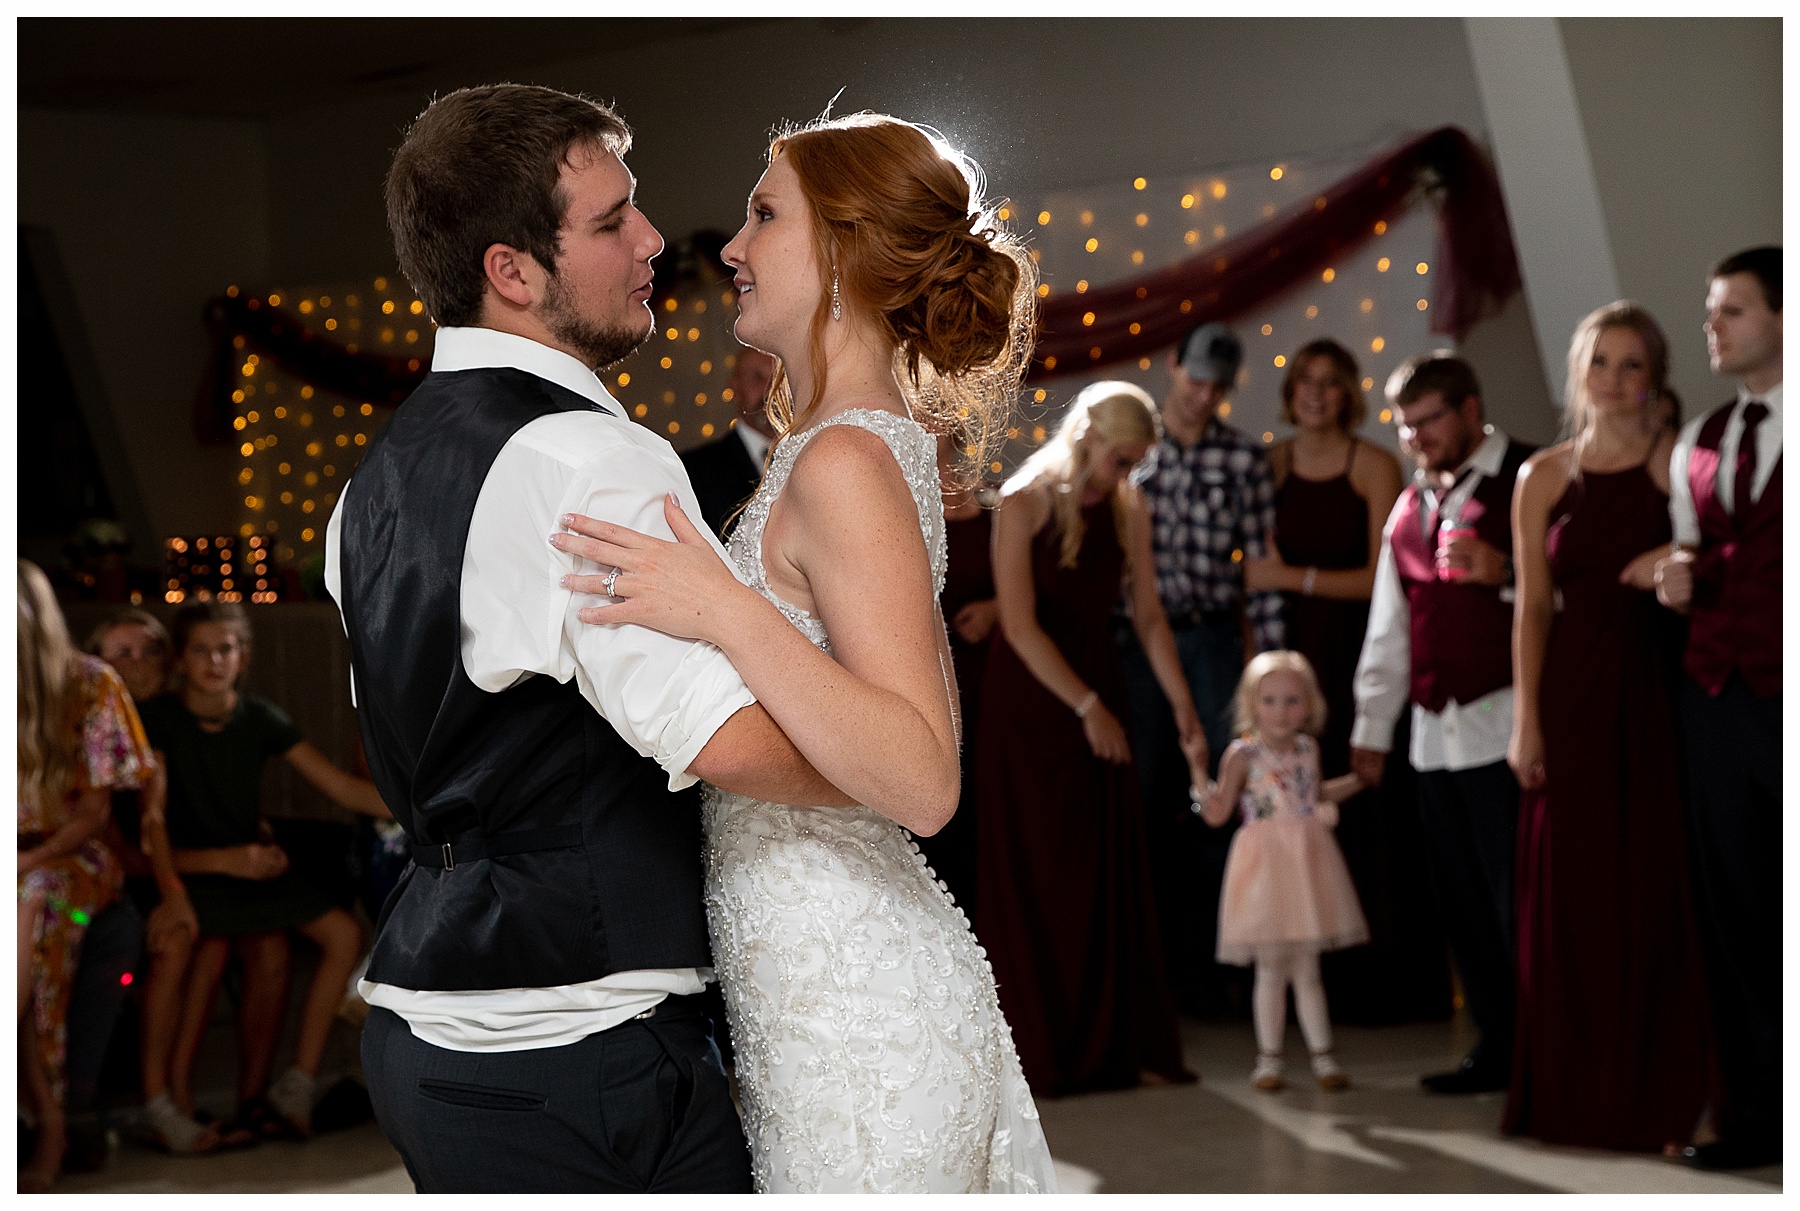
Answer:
(1211, 499)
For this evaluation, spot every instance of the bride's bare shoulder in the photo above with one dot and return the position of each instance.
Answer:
(848, 467)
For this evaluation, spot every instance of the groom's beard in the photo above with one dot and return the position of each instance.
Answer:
(604, 347)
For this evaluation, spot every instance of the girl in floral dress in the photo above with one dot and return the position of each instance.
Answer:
(1287, 894)
(79, 738)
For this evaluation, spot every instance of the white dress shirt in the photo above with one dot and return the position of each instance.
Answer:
(1462, 735)
(755, 444)
(664, 696)
(1682, 511)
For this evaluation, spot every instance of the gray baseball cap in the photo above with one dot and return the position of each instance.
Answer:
(1212, 354)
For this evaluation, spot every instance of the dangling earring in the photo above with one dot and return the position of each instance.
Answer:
(837, 304)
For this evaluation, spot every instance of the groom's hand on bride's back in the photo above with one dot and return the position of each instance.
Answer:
(751, 756)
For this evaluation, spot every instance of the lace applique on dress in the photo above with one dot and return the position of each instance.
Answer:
(871, 1051)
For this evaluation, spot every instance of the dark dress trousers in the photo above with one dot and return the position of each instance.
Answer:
(1731, 712)
(546, 850)
(724, 476)
(1461, 645)
(643, 1107)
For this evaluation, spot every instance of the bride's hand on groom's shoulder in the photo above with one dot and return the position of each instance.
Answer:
(681, 588)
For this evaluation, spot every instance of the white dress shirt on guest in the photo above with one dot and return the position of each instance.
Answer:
(1682, 512)
(1462, 735)
(755, 444)
(664, 696)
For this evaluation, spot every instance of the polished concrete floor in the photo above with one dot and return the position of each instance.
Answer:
(1382, 1135)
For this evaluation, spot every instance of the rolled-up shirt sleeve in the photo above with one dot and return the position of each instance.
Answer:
(664, 696)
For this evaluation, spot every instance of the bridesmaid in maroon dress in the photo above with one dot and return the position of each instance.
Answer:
(1612, 1048)
(1066, 912)
(970, 614)
(1333, 494)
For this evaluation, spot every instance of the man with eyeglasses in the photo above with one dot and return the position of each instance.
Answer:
(1440, 636)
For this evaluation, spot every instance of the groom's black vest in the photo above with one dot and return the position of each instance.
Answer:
(569, 857)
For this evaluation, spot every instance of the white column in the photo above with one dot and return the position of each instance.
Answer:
(1541, 151)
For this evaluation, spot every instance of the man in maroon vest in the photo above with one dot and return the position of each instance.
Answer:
(1440, 636)
(1725, 574)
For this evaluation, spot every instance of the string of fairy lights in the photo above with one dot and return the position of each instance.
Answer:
(677, 383)
(299, 442)
(1374, 300)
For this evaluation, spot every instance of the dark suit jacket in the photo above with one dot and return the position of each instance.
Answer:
(724, 477)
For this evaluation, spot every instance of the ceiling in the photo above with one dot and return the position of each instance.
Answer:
(220, 67)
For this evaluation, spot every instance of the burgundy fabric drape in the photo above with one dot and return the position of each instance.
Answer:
(1478, 268)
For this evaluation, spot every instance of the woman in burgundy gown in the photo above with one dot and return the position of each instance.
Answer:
(1333, 494)
(1067, 913)
(970, 613)
(1612, 1046)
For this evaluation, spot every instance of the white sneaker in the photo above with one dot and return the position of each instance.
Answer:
(291, 1096)
(173, 1131)
(1331, 1078)
(1267, 1073)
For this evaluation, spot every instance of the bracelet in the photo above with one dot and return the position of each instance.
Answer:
(1086, 704)
(1309, 580)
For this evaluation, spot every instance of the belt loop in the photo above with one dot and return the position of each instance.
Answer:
(449, 861)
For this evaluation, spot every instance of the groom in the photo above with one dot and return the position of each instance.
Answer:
(537, 973)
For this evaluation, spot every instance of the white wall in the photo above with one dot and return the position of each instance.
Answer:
(1540, 150)
(1683, 123)
(1042, 104)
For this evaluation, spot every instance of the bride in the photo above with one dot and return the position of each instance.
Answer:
(871, 1051)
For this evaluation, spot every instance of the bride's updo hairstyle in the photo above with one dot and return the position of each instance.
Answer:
(899, 216)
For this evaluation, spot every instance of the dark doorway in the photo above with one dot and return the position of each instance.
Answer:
(61, 484)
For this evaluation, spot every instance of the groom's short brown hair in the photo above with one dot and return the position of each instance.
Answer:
(479, 167)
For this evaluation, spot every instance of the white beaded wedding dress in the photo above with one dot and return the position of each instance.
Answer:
(871, 1051)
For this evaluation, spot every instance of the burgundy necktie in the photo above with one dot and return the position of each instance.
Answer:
(1745, 474)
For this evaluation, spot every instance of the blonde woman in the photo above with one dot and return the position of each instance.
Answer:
(1066, 908)
(1611, 1038)
(78, 739)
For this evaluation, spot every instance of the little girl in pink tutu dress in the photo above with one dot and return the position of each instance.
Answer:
(1287, 894)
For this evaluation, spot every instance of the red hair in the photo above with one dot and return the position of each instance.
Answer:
(898, 217)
